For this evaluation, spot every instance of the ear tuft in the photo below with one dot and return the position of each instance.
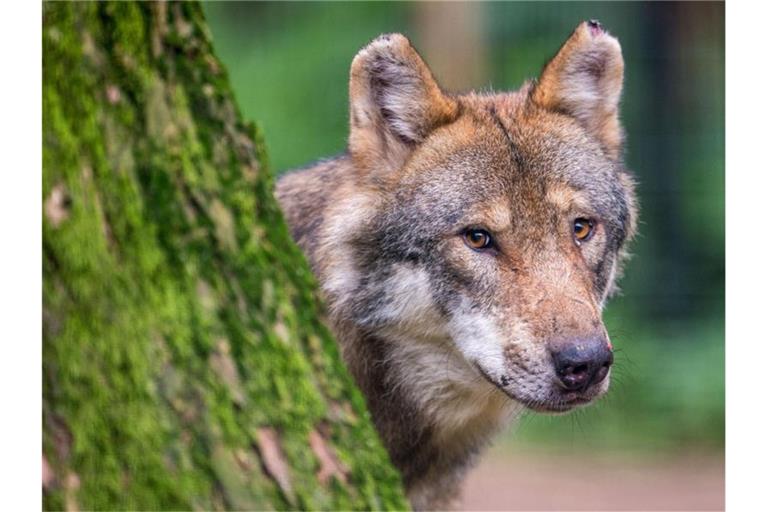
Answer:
(394, 100)
(584, 80)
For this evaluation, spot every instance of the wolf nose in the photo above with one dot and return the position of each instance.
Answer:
(583, 363)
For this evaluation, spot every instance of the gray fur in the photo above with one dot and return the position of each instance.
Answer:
(448, 343)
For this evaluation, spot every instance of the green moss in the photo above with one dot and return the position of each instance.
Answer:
(179, 316)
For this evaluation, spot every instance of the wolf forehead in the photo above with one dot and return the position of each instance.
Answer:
(501, 156)
(562, 129)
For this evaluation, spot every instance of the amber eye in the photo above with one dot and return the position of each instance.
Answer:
(583, 229)
(478, 239)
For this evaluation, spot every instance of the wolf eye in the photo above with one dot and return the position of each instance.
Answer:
(583, 229)
(477, 239)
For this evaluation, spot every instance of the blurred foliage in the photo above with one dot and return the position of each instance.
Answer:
(289, 66)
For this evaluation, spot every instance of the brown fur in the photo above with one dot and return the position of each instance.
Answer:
(447, 342)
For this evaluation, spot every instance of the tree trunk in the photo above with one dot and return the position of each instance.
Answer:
(184, 362)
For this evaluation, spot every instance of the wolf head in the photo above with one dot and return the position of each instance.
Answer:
(487, 229)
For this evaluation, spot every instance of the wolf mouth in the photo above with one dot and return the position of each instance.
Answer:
(561, 405)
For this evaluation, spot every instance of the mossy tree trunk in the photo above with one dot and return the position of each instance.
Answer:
(185, 366)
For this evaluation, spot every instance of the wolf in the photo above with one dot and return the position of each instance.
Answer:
(465, 245)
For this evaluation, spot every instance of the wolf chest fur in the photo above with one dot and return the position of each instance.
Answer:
(465, 246)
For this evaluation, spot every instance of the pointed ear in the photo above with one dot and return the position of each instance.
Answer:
(394, 102)
(584, 81)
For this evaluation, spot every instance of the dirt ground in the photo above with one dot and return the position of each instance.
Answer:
(528, 481)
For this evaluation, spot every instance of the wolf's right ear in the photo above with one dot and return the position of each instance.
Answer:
(394, 103)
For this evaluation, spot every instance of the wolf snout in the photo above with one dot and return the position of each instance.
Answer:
(582, 363)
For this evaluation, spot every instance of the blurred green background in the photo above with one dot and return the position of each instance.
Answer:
(289, 63)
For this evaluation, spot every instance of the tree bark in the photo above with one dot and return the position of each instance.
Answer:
(185, 364)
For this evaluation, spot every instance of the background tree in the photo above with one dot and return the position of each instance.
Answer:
(184, 362)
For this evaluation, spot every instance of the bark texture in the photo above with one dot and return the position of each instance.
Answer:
(185, 365)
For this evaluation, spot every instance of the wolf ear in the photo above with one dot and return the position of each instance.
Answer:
(395, 102)
(584, 81)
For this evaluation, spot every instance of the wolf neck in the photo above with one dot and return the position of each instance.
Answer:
(433, 410)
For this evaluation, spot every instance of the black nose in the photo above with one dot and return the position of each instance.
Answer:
(582, 363)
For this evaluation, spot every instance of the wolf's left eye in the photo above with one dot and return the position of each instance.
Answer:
(478, 239)
(583, 229)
